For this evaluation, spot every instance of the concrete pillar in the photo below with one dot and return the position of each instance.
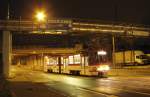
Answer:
(113, 52)
(34, 63)
(59, 64)
(7, 52)
(43, 63)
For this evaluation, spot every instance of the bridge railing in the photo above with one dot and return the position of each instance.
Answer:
(15, 25)
(74, 26)
(111, 28)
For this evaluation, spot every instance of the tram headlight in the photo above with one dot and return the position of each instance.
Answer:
(103, 68)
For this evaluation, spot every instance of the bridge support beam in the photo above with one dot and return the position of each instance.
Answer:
(59, 63)
(7, 52)
(113, 52)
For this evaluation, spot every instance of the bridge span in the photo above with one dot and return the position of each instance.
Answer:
(62, 26)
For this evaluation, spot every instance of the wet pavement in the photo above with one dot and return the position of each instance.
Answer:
(38, 84)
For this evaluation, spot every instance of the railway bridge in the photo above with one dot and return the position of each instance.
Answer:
(61, 26)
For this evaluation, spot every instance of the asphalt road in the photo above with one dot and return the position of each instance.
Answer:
(77, 86)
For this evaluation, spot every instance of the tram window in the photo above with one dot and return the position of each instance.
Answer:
(77, 59)
(70, 59)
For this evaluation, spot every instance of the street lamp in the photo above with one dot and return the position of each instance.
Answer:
(40, 16)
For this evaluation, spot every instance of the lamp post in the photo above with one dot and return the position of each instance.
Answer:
(40, 17)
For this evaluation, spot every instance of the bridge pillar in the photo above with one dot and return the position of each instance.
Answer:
(7, 52)
(113, 52)
(59, 63)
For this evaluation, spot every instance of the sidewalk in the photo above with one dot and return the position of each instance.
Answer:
(27, 83)
(29, 89)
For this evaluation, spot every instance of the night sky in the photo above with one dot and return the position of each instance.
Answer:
(131, 11)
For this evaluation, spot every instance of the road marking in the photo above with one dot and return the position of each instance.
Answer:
(131, 87)
(136, 92)
(131, 91)
(109, 95)
(97, 92)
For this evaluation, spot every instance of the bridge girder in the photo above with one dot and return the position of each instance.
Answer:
(61, 26)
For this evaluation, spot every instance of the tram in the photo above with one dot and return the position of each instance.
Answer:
(79, 64)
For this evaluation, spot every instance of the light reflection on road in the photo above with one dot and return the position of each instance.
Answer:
(78, 86)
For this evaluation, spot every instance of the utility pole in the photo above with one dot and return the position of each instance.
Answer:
(113, 51)
(113, 37)
(116, 10)
(8, 10)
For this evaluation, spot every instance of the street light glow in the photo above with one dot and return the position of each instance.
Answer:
(40, 16)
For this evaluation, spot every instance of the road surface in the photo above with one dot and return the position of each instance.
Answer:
(77, 86)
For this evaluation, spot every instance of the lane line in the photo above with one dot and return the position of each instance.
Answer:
(97, 92)
(122, 84)
(142, 93)
(136, 92)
